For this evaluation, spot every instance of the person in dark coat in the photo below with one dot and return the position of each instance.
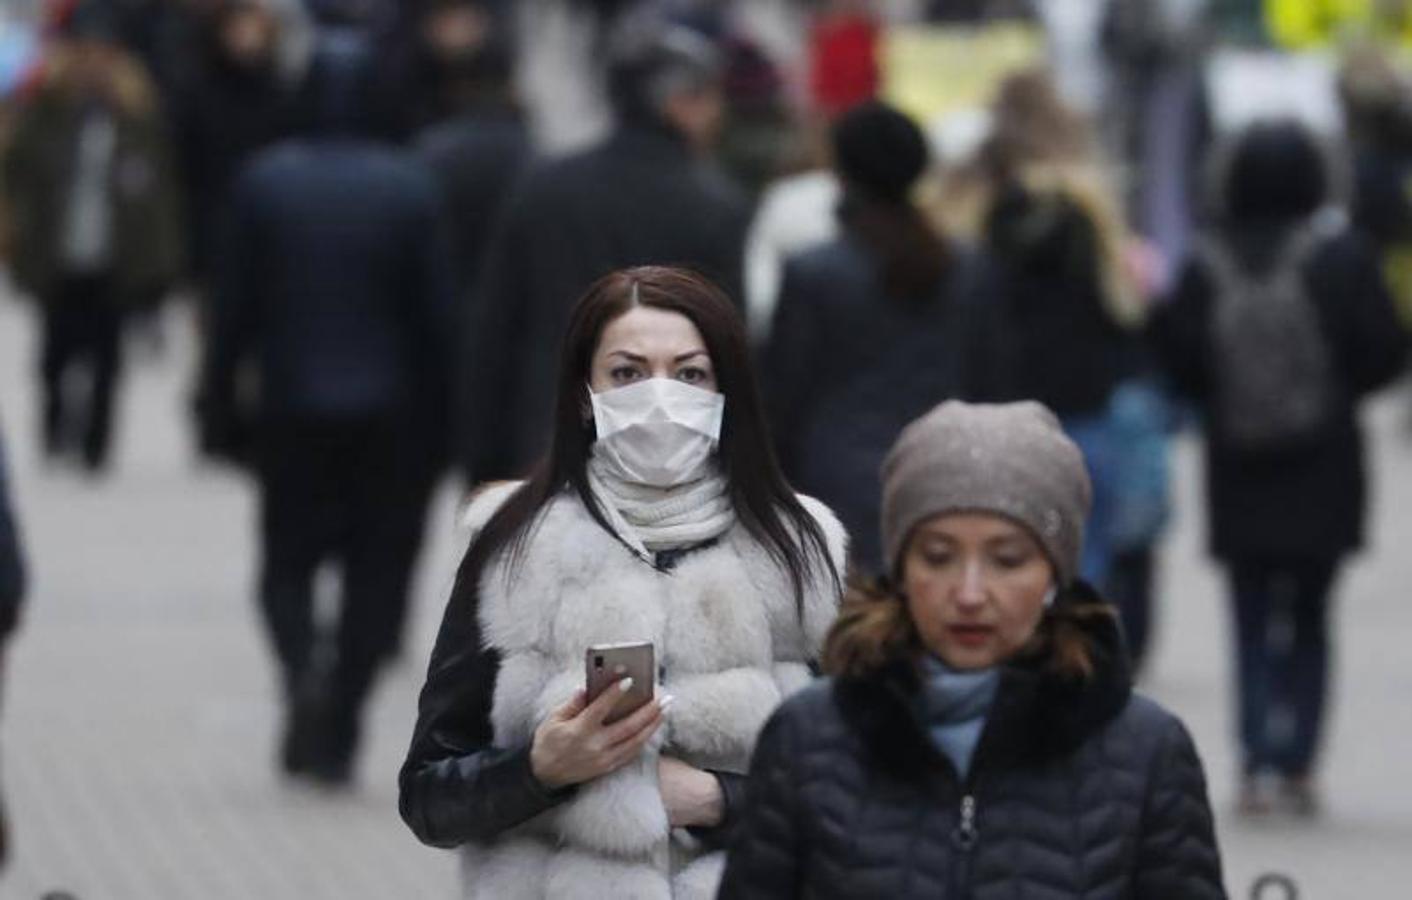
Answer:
(235, 102)
(1036, 196)
(478, 152)
(641, 197)
(335, 295)
(95, 222)
(1283, 515)
(438, 61)
(876, 327)
(978, 737)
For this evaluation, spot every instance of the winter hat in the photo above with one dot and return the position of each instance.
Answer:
(1276, 170)
(880, 150)
(1011, 459)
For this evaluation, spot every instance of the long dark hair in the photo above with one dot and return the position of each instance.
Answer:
(764, 502)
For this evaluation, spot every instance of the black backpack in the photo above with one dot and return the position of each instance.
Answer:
(1275, 384)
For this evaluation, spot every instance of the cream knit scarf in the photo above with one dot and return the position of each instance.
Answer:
(651, 519)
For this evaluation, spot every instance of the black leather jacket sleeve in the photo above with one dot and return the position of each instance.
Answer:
(767, 845)
(456, 787)
(1177, 855)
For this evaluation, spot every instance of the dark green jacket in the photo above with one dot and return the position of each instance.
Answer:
(38, 169)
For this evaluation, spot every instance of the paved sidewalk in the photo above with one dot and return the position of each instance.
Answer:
(140, 713)
(140, 709)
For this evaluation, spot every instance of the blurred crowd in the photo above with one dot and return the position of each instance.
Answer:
(1139, 212)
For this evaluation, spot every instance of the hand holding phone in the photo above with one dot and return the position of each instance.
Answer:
(577, 743)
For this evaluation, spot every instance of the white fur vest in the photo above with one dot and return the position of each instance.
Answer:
(731, 644)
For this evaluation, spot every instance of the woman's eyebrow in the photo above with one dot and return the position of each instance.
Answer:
(631, 357)
(1008, 541)
(692, 355)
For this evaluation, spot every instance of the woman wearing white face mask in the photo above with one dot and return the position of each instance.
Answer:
(658, 515)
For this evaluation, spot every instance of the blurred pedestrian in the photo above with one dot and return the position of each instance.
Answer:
(238, 100)
(94, 221)
(13, 581)
(658, 515)
(1281, 323)
(480, 150)
(444, 58)
(1154, 53)
(979, 736)
(876, 327)
(761, 137)
(334, 297)
(1377, 105)
(1045, 209)
(645, 195)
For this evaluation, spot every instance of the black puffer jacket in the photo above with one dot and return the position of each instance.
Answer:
(1077, 790)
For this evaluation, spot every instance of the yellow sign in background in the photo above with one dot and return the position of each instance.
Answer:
(1304, 24)
(932, 71)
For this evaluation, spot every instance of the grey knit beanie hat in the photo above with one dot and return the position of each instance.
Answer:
(1011, 459)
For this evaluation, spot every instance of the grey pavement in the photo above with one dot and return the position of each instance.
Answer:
(140, 710)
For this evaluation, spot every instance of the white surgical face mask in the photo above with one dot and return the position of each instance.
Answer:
(658, 432)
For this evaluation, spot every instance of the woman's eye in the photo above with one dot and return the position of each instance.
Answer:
(692, 375)
(623, 373)
(1011, 561)
(936, 559)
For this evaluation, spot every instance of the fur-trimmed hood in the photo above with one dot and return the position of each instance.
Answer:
(1038, 714)
(129, 87)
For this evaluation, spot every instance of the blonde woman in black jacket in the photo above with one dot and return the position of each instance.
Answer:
(979, 737)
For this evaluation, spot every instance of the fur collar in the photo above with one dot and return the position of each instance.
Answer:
(1037, 716)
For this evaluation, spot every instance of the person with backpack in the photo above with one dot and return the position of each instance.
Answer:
(1280, 323)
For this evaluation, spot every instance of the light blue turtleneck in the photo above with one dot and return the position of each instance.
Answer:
(954, 705)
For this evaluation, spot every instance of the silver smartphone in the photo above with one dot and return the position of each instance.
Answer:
(607, 664)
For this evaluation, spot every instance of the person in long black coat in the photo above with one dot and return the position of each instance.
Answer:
(234, 102)
(876, 327)
(478, 151)
(335, 293)
(642, 197)
(1283, 518)
(978, 736)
